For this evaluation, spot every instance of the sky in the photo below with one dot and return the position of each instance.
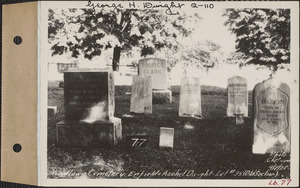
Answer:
(212, 28)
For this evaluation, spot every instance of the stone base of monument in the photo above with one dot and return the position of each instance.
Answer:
(161, 96)
(106, 133)
(231, 110)
(197, 116)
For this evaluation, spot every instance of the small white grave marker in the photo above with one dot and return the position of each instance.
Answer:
(52, 110)
(239, 117)
(166, 138)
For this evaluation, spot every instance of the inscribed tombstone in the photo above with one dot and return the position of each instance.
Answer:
(271, 117)
(157, 68)
(141, 94)
(190, 97)
(88, 94)
(237, 96)
(166, 137)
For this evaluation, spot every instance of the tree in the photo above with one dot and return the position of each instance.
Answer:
(89, 31)
(263, 35)
(237, 58)
(203, 54)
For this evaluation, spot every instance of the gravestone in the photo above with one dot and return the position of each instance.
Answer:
(272, 129)
(166, 137)
(88, 94)
(141, 94)
(89, 109)
(157, 69)
(239, 117)
(237, 96)
(190, 97)
(52, 110)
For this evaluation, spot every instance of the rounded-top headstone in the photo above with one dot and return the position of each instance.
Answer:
(271, 100)
(237, 96)
(141, 94)
(157, 69)
(190, 97)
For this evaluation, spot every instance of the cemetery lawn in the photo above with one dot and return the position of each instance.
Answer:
(209, 148)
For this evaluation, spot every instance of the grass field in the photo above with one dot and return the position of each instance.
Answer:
(209, 148)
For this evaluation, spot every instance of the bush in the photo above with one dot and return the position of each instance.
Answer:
(61, 84)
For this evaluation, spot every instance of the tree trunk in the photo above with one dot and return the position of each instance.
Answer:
(116, 58)
(274, 69)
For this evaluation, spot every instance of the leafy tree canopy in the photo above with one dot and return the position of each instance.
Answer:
(87, 31)
(263, 35)
(204, 54)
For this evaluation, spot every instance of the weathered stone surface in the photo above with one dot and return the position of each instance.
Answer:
(190, 97)
(272, 129)
(237, 96)
(105, 133)
(166, 137)
(89, 109)
(141, 94)
(88, 94)
(157, 68)
(161, 96)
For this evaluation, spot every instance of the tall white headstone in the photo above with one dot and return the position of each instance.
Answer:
(141, 94)
(190, 97)
(237, 96)
(272, 128)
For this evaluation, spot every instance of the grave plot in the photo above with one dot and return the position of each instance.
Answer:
(213, 144)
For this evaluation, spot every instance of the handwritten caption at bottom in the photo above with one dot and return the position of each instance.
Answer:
(278, 165)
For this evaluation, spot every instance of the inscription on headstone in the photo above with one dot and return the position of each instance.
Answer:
(166, 138)
(157, 68)
(237, 96)
(89, 110)
(271, 117)
(272, 110)
(190, 97)
(141, 94)
(88, 95)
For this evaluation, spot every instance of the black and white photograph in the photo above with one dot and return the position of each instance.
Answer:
(159, 91)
